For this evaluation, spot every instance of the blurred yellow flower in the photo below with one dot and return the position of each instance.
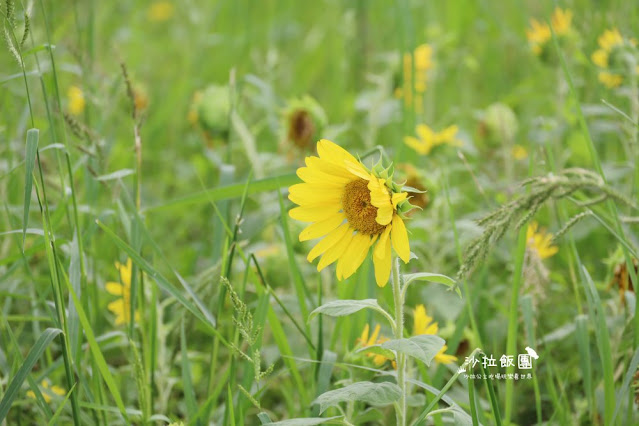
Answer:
(47, 391)
(374, 339)
(122, 306)
(519, 152)
(540, 241)
(561, 21)
(352, 209)
(160, 11)
(76, 100)
(422, 59)
(427, 139)
(608, 42)
(424, 324)
(610, 80)
(540, 33)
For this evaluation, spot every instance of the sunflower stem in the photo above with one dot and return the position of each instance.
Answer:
(399, 334)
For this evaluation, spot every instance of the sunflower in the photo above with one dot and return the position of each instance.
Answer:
(424, 324)
(611, 42)
(353, 209)
(427, 139)
(539, 34)
(122, 306)
(48, 390)
(421, 60)
(540, 242)
(374, 339)
(76, 100)
(160, 11)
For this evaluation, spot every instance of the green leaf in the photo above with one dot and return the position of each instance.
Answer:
(32, 150)
(371, 393)
(231, 191)
(116, 175)
(34, 354)
(340, 308)
(377, 350)
(99, 359)
(54, 418)
(307, 421)
(423, 347)
(430, 277)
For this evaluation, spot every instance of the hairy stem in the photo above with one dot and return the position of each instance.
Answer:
(399, 333)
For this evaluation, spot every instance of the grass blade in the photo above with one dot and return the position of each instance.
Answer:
(34, 354)
(32, 149)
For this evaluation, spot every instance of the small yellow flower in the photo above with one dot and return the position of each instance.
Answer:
(122, 306)
(600, 58)
(427, 139)
(540, 242)
(47, 391)
(610, 80)
(609, 42)
(540, 33)
(422, 58)
(561, 21)
(610, 39)
(519, 152)
(160, 11)
(352, 209)
(424, 324)
(76, 100)
(374, 339)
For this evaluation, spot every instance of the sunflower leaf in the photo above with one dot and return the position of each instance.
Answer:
(340, 308)
(377, 350)
(430, 277)
(371, 393)
(423, 347)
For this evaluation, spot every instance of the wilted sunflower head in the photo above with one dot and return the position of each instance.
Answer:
(352, 209)
(414, 180)
(304, 119)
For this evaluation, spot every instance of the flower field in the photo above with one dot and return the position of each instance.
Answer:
(303, 213)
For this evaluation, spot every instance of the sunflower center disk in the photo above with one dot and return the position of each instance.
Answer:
(360, 213)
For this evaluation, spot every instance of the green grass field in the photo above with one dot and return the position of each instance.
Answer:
(159, 160)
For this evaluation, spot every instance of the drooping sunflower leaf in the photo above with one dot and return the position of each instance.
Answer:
(371, 393)
(423, 347)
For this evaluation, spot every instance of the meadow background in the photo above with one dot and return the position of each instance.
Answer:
(164, 139)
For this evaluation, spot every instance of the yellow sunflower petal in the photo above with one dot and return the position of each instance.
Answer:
(425, 133)
(313, 176)
(306, 194)
(324, 227)
(333, 152)
(600, 58)
(357, 169)
(125, 273)
(353, 256)
(329, 241)
(380, 198)
(399, 237)
(114, 288)
(363, 339)
(443, 358)
(398, 197)
(382, 258)
(337, 170)
(313, 214)
(374, 336)
(335, 252)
